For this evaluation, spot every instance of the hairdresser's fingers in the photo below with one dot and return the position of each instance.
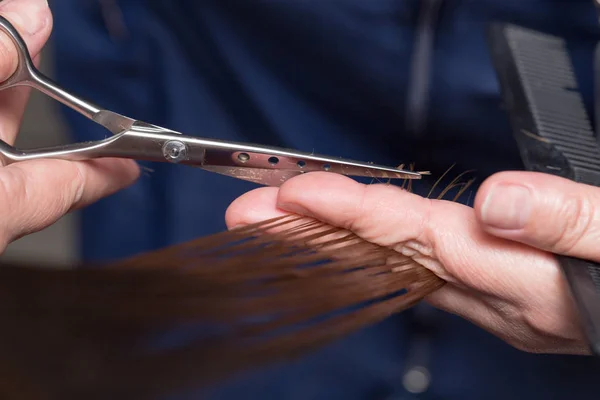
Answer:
(34, 194)
(326, 199)
(544, 211)
(260, 205)
(33, 20)
(444, 237)
(254, 206)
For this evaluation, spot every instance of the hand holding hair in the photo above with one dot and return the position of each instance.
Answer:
(511, 289)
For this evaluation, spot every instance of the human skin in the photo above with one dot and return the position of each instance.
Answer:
(504, 280)
(34, 194)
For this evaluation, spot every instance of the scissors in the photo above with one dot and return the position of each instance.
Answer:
(269, 166)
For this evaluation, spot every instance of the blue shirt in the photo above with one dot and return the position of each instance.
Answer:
(333, 77)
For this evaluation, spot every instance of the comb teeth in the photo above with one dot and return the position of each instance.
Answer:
(595, 274)
(551, 90)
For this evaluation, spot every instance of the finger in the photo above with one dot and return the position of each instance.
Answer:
(36, 193)
(541, 210)
(261, 204)
(444, 237)
(441, 235)
(33, 21)
(254, 206)
(342, 211)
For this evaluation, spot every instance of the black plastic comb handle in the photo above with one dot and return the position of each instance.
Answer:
(553, 133)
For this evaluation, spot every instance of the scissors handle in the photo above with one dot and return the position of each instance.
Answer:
(26, 74)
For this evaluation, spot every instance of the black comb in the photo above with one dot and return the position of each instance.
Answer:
(553, 133)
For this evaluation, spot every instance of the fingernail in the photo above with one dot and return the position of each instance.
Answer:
(29, 16)
(507, 206)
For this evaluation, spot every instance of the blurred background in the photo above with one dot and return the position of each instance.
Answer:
(43, 126)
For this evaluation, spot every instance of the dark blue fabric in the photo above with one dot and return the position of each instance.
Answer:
(328, 76)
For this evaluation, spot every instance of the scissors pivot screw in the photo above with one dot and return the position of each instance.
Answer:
(175, 151)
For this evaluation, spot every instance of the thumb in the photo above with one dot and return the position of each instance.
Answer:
(544, 211)
(33, 21)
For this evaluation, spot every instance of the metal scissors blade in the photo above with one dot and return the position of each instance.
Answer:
(139, 140)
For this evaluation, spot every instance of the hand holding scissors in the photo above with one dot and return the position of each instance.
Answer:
(38, 186)
(143, 141)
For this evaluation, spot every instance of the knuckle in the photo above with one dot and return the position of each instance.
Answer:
(534, 331)
(13, 194)
(424, 228)
(575, 217)
(13, 189)
(78, 184)
(381, 208)
(363, 212)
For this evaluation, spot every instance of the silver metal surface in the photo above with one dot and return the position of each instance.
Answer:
(175, 151)
(142, 141)
(27, 75)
